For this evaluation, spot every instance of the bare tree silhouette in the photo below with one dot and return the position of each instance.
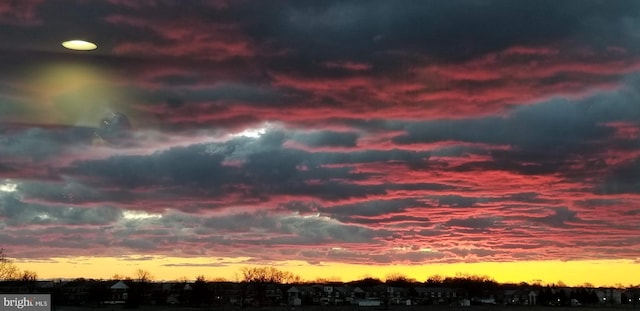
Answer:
(258, 278)
(8, 270)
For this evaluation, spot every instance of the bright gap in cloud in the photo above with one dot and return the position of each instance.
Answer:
(8, 187)
(43, 216)
(136, 215)
(255, 132)
(406, 248)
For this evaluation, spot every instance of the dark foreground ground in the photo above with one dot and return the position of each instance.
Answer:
(356, 308)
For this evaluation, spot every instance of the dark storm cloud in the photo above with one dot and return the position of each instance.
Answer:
(265, 168)
(73, 193)
(224, 92)
(283, 229)
(557, 124)
(545, 138)
(529, 197)
(20, 13)
(561, 217)
(623, 179)
(452, 30)
(56, 24)
(17, 212)
(599, 202)
(373, 208)
(327, 139)
(309, 230)
(40, 143)
(191, 166)
(312, 33)
(458, 201)
(413, 159)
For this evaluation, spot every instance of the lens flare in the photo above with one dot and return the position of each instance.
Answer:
(79, 45)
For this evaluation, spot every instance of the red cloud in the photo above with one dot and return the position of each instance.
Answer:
(625, 130)
(218, 4)
(192, 38)
(486, 85)
(353, 66)
(22, 13)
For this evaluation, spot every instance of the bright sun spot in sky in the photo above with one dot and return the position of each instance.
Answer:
(8, 187)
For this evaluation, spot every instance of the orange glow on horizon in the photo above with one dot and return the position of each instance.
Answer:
(572, 273)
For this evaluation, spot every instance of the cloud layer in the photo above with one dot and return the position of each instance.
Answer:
(378, 132)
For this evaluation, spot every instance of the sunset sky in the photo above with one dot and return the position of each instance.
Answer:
(335, 139)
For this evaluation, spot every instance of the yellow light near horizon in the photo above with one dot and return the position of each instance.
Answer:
(572, 273)
(79, 45)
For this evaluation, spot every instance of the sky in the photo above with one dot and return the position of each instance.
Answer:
(336, 139)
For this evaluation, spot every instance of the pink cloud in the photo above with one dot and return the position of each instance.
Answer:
(352, 66)
(185, 38)
(22, 13)
(625, 130)
(217, 4)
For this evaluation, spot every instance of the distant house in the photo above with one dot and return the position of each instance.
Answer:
(376, 292)
(533, 297)
(308, 294)
(397, 295)
(609, 296)
(633, 295)
(358, 293)
(119, 293)
(75, 291)
(438, 295)
(227, 292)
(335, 295)
(294, 296)
(512, 297)
(297, 295)
(519, 297)
(369, 302)
(341, 294)
(272, 294)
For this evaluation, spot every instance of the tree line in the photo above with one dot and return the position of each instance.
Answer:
(10, 272)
